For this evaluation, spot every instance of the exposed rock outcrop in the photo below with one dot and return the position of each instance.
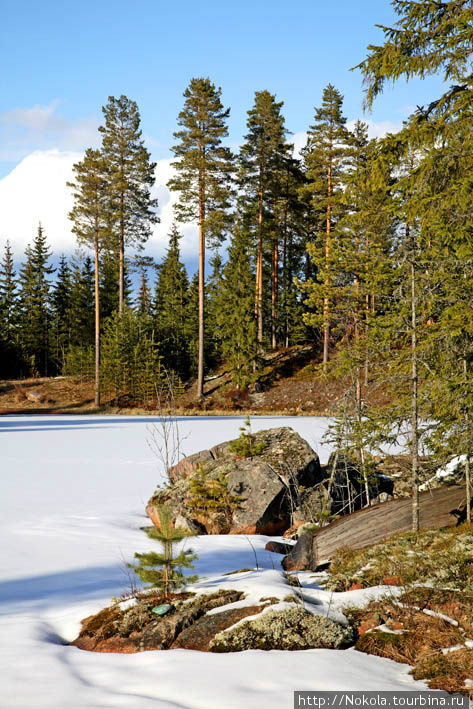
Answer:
(189, 625)
(265, 484)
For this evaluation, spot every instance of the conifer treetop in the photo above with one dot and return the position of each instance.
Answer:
(203, 165)
(430, 36)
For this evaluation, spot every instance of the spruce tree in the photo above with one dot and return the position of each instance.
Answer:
(192, 324)
(170, 309)
(34, 300)
(203, 179)
(90, 218)
(61, 307)
(108, 286)
(143, 303)
(9, 350)
(130, 177)
(213, 337)
(82, 301)
(131, 365)
(325, 155)
(235, 311)
(293, 237)
(428, 38)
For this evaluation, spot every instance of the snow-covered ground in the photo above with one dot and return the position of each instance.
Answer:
(72, 498)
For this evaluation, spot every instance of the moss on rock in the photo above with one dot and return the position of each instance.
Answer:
(292, 629)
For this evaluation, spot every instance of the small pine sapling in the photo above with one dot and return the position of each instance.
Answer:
(246, 445)
(164, 570)
(211, 499)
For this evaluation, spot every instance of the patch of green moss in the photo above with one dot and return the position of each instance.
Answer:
(103, 624)
(377, 641)
(433, 666)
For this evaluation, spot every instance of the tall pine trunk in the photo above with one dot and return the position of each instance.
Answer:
(97, 320)
(259, 264)
(415, 406)
(284, 288)
(467, 461)
(274, 293)
(200, 364)
(121, 275)
(327, 266)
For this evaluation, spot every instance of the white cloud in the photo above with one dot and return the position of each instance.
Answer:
(35, 191)
(23, 130)
(376, 129)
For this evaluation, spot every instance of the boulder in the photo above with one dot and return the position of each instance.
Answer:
(137, 629)
(279, 547)
(300, 557)
(290, 629)
(265, 484)
(188, 465)
(200, 634)
(36, 396)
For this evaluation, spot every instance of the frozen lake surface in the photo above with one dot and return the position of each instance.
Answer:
(72, 497)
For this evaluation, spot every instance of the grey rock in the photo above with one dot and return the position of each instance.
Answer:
(267, 484)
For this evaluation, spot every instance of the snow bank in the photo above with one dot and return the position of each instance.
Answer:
(71, 508)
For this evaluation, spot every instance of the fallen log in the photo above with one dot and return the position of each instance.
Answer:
(443, 507)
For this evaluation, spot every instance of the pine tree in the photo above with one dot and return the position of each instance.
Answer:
(34, 299)
(262, 160)
(91, 224)
(164, 571)
(211, 500)
(9, 350)
(203, 179)
(325, 154)
(130, 177)
(235, 311)
(288, 248)
(170, 309)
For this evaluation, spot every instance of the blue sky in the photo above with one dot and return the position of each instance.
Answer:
(63, 59)
(72, 55)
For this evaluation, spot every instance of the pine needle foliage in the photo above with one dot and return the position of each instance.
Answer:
(246, 445)
(163, 570)
(211, 500)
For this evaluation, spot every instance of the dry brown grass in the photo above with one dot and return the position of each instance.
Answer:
(419, 639)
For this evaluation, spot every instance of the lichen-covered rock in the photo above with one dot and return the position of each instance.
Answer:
(267, 484)
(200, 634)
(137, 628)
(292, 629)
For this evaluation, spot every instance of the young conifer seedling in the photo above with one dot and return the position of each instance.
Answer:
(164, 570)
